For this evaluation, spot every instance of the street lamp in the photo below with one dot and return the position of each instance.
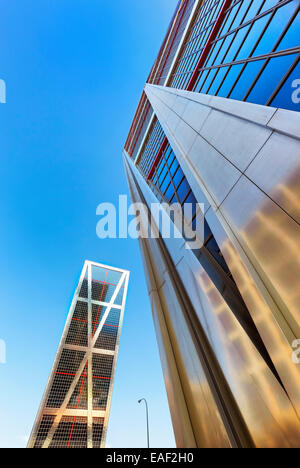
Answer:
(147, 417)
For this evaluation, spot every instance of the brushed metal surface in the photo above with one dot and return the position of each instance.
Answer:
(276, 171)
(262, 404)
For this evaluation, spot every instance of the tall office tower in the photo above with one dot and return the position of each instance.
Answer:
(218, 122)
(75, 407)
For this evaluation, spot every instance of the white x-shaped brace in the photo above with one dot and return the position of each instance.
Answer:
(87, 355)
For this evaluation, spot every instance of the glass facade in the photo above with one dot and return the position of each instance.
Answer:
(253, 55)
(75, 408)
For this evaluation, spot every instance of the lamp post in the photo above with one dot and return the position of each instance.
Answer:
(147, 417)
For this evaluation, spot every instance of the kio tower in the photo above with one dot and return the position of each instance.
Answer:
(75, 407)
(218, 123)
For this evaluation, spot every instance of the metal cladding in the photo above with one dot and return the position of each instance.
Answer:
(218, 124)
(75, 408)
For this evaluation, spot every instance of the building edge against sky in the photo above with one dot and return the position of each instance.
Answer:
(218, 123)
(75, 407)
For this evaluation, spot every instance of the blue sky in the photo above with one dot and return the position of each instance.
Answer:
(74, 71)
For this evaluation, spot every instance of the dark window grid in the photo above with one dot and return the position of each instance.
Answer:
(260, 93)
(59, 388)
(143, 127)
(173, 43)
(213, 48)
(96, 322)
(283, 80)
(224, 78)
(81, 310)
(165, 187)
(201, 23)
(78, 332)
(204, 9)
(165, 157)
(44, 427)
(191, 45)
(162, 177)
(234, 61)
(70, 361)
(172, 181)
(253, 49)
(168, 176)
(140, 125)
(243, 62)
(260, 14)
(175, 189)
(251, 22)
(84, 289)
(70, 433)
(167, 167)
(195, 47)
(269, 55)
(149, 143)
(102, 363)
(98, 424)
(79, 397)
(151, 148)
(195, 44)
(219, 43)
(106, 341)
(100, 394)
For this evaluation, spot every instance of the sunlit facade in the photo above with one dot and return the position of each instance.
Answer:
(218, 123)
(75, 407)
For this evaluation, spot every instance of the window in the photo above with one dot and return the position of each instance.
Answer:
(274, 71)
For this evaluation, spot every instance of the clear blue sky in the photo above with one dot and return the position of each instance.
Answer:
(74, 71)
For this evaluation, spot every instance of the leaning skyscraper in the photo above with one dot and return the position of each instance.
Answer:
(218, 123)
(75, 407)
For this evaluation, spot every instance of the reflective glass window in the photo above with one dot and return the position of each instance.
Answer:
(183, 190)
(177, 177)
(165, 184)
(244, 82)
(209, 79)
(252, 37)
(242, 10)
(218, 79)
(236, 44)
(201, 80)
(292, 36)
(288, 97)
(268, 4)
(273, 73)
(275, 28)
(170, 192)
(229, 80)
(253, 10)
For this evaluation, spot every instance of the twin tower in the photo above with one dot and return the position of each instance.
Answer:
(75, 407)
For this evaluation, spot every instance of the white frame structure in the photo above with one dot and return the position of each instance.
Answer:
(86, 362)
